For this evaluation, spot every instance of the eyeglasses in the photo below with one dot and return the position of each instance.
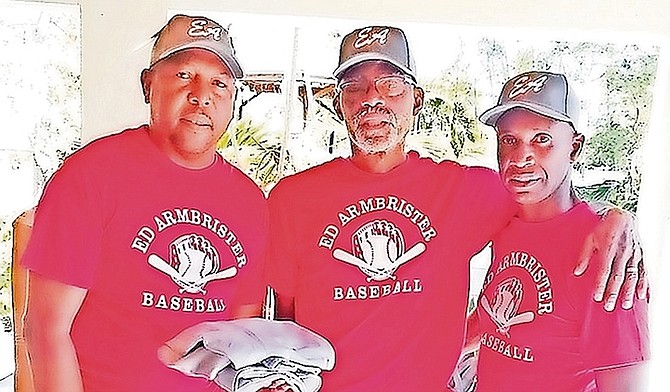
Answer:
(387, 86)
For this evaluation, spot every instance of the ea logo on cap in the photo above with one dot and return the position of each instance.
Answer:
(525, 84)
(367, 37)
(199, 29)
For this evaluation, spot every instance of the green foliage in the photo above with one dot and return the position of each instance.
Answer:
(619, 132)
(447, 126)
(494, 57)
(256, 151)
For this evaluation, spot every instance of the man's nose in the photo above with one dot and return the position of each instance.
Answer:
(372, 97)
(523, 156)
(199, 94)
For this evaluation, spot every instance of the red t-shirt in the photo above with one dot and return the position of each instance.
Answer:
(378, 264)
(159, 248)
(540, 328)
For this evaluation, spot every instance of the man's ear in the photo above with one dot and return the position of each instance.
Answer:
(145, 80)
(577, 146)
(337, 105)
(418, 99)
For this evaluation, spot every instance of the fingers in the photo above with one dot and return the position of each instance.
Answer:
(182, 343)
(625, 273)
(585, 255)
(643, 283)
(168, 355)
(621, 271)
(604, 269)
(609, 275)
(633, 278)
(619, 252)
(629, 287)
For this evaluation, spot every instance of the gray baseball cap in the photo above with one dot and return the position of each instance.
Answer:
(541, 92)
(376, 43)
(187, 32)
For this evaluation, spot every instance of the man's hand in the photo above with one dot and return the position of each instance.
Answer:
(614, 248)
(176, 348)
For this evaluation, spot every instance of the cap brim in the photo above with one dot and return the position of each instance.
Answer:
(359, 58)
(491, 116)
(228, 60)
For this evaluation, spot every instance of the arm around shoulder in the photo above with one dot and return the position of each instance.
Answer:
(614, 249)
(52, 307)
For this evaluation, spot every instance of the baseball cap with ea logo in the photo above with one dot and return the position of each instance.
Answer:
(189, 32)
(376, 43)
(544, 93)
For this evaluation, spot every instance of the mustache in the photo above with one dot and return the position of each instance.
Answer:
(390, 116)
(199, 116)
(518, 171)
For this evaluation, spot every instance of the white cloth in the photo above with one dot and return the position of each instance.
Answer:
(246, 355)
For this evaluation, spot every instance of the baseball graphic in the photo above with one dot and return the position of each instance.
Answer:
(506, 302)
(378, 249)
(378, 243)
(194, 257)
(193, 262)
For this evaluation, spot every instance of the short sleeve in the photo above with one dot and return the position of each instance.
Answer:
(614, 339)
(65, 244)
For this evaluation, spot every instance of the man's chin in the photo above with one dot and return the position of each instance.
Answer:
(526, 198)
(376, 147)
(197, 143)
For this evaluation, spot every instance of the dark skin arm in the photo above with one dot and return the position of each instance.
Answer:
(614, 248)
(51, 311)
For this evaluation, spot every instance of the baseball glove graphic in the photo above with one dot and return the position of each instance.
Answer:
(506, 302)
(378, 250)
(194, 257)
(193, 262)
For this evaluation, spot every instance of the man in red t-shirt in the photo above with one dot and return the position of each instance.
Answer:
(372, 251)
(534, 320)
(147, 232)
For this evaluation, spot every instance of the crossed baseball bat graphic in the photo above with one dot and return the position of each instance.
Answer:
(163, 266)
(503, 326)
(349, 258)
